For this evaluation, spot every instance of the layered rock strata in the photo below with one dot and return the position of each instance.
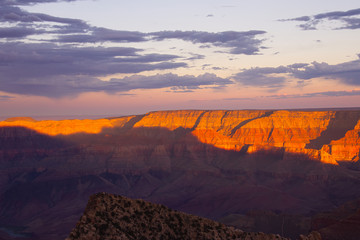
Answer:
(328, 136)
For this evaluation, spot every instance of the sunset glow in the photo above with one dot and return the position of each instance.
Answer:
(115, 58)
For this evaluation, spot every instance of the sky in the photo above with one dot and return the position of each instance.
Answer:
(116, 57)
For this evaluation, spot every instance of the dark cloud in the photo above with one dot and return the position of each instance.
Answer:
(237, 42)
(28, 68)
(350, 19)
(275, 78)
(61, 86)
(68, 30)
(175, 82)
(103, 35)
(262, 77)
(298, 65)
(348, 72)
(338, 14)
(195, 56)
(304, 19)
(17, 32)
(67, 57)
(41, 60)
(30, 2)
(16, 14)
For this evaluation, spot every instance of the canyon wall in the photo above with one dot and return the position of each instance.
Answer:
(268, 182)
(328, 136)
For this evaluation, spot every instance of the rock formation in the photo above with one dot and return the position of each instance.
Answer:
(115, 217)
(328, 136)
(262, 171)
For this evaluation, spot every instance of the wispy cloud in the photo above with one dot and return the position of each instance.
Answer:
(274, 78)
(239, 99)
(237, 42)
(61, 86)
(31, 2)
(6, 97)
(317, 94)
(348, 20)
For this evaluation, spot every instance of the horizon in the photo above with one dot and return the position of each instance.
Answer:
(105, 57)
(110, 116)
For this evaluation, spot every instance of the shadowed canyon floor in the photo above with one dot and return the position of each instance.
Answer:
(270, 171)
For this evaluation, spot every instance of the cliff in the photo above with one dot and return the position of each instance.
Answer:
(328, 136)
(268, 182)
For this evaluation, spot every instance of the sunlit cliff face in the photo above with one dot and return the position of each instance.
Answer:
(67, 127)
(328, 136)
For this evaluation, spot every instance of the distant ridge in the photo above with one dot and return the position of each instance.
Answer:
(15, 119)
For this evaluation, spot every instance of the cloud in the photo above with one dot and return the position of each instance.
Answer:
(347, 72)
(69, 30)
(102, 35)
(317, 94)
(238, 42)
(38, 23)
(62, 86)
(262, 77)
(17, 32)
(75, 31)
(217, 68)
(195, 56)
(6, 98)
(29, 66)
(239, 99)
(302, 95)
(348, 19)
(275, 78)
(41, 60)
(50, 56)
(30, 2)
(16, 14)
(186, 82)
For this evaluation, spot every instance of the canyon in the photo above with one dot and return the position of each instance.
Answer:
(281, 172)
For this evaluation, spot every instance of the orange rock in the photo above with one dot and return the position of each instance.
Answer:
(67, 127)
(329, 136)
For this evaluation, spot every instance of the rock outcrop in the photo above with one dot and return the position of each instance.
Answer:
(115, 217)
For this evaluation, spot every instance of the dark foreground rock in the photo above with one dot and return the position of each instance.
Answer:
(110, 216)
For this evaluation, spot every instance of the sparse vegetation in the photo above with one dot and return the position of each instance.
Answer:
(143, 220)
